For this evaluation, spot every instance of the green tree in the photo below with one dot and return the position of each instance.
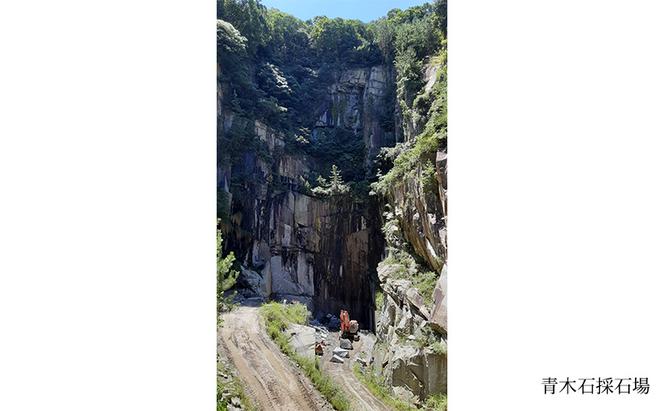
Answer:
(334, 186)
(440, 8)
(342, 41)
(384, 32)
(409, 78)
(420, 35)
(398, 16)
(288, 37)
(336, 181)
(234, 73)
(229, 39)
(226, 275)
(248, 16)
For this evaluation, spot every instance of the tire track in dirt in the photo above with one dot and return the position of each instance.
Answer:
(361, 398)
(268, 376)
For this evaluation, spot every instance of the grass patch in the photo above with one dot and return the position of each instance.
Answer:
(404, 267)
(322, 382)
(427, 338)
(439, 348)
(380, 390)
(379, 301)
(425, 282)
(233, 387)
(277, 318)
(436, 402)
(284, 314)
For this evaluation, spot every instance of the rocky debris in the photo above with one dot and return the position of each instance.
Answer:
(421, 372)
(405, 395)
(309, 340)
(337, 359)
(368, 342)
(341, 352)
(250, 282)
(322, 331)
(416, 301)
(361, 360)
(226, 373)
(405, 319)
(236, 402)
(303, 339)
(386, 271)
(401, 289)
(346, 344)
(405, 327)
(403, 309)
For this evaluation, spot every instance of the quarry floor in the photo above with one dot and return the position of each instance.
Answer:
(272, 381)
(360, 396)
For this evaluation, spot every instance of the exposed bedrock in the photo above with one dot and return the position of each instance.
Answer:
(411, 350)
(322, 251)
(329, 251)
(360, 101)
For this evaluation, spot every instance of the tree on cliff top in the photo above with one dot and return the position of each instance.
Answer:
(247, 16)
(342, 41)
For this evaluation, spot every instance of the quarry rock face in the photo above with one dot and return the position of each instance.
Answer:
(422, 215)
(357, 101)
(325, 251)
(420, 372)
(407, 327)
(403, 355)
(439, 313)
(411, 350)
(320, 251)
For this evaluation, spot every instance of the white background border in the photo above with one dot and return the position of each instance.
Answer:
(107, 176)
(556, 201)
(107, 221)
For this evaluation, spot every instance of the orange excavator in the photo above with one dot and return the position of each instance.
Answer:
(349, 328)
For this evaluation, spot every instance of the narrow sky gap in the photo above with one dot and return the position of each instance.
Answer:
(364, 10)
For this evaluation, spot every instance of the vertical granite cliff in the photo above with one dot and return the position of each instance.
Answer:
(332, 179)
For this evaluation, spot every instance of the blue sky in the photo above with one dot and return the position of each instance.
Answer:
(365, 10)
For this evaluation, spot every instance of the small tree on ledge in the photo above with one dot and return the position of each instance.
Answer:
(335, 186)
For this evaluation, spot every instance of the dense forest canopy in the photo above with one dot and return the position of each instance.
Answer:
(274, 67)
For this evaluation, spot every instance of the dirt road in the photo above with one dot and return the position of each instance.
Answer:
(269, 378)
(361, 398)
